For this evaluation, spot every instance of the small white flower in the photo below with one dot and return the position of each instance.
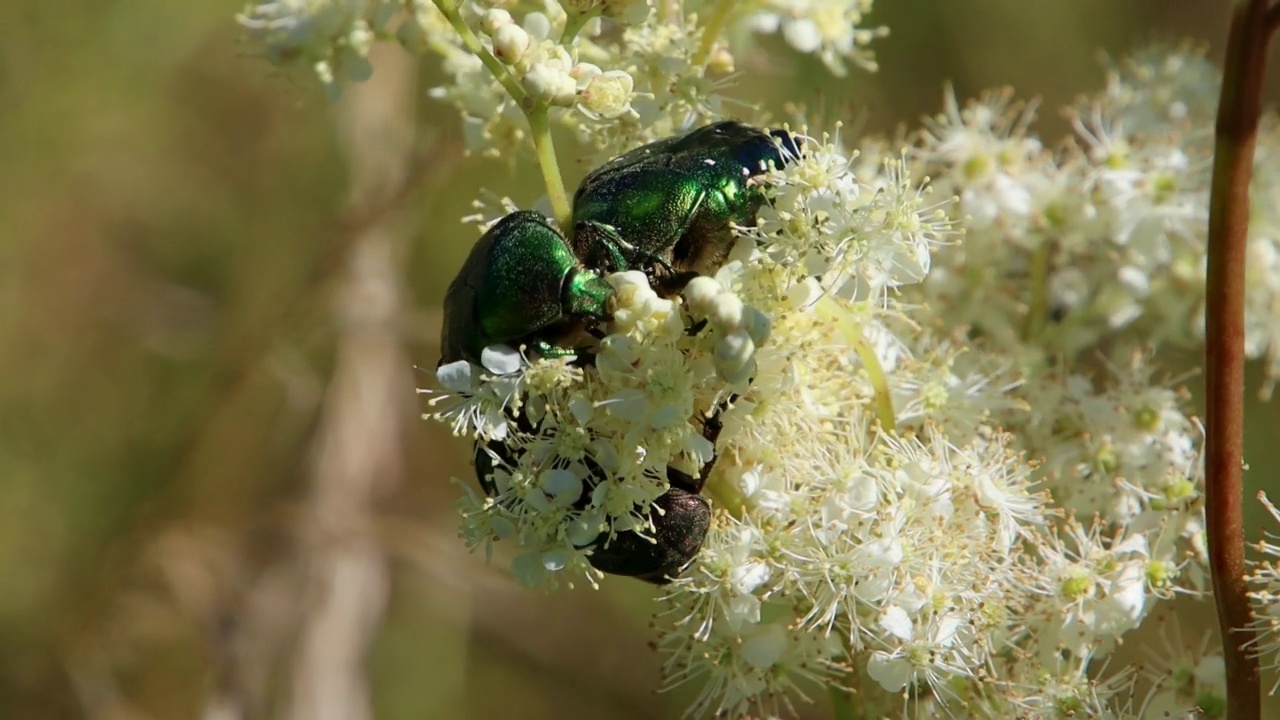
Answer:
(1188, 679)
(608, 95)
(483, 393)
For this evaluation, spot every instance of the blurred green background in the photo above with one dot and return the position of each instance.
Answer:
(185, 257)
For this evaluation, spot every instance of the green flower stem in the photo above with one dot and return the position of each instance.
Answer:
(884, 401)
(867, 354)
(534, 113)
(1253, 23)
(472, 43)
(725, 497)
(841, 703)
(842, 696)
(666, 10)
(1038, 304)
(550, 168)
(574, 25)
(712, 30)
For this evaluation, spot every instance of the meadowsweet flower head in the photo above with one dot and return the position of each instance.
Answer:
(860, 237)
(872, 534)
(891, 498)
(916, 408)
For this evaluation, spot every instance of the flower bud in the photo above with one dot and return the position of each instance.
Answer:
(566, 92)
(628, 279)
(558, 18)
(631, 289)
(726, 312)
(734, 357)
(550, 86)
(494, 19)
(360, 38)
(584, 72)
(720, 62)
(628, 12)
(510, 43)
(412, 37)
(756, 324)
(734, 349)
(654, 306)
(624, 319)
(700, 293)
(538, 25)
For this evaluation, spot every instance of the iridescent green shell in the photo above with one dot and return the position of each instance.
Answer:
(521, 284)
(667, 207)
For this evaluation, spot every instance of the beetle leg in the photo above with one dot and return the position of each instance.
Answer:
(605, 238)
(711, 429)
(590, 237)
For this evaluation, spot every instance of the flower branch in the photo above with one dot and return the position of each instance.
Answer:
(711, 32)
(472, 43)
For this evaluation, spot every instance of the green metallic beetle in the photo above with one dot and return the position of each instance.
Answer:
(667, 207)
(521, 284)
(664, 208)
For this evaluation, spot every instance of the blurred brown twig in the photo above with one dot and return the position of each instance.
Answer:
(337, 574)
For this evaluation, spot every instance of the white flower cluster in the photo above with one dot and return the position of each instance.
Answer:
(939, 479)
(1106, 238)
(332, 37)
(1063, 687)
(679, 62)
(847, 537)
(583, 452)
(862, 241)
(615, 87)
(618, 72)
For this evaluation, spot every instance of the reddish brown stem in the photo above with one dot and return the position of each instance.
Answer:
(1239, 110)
